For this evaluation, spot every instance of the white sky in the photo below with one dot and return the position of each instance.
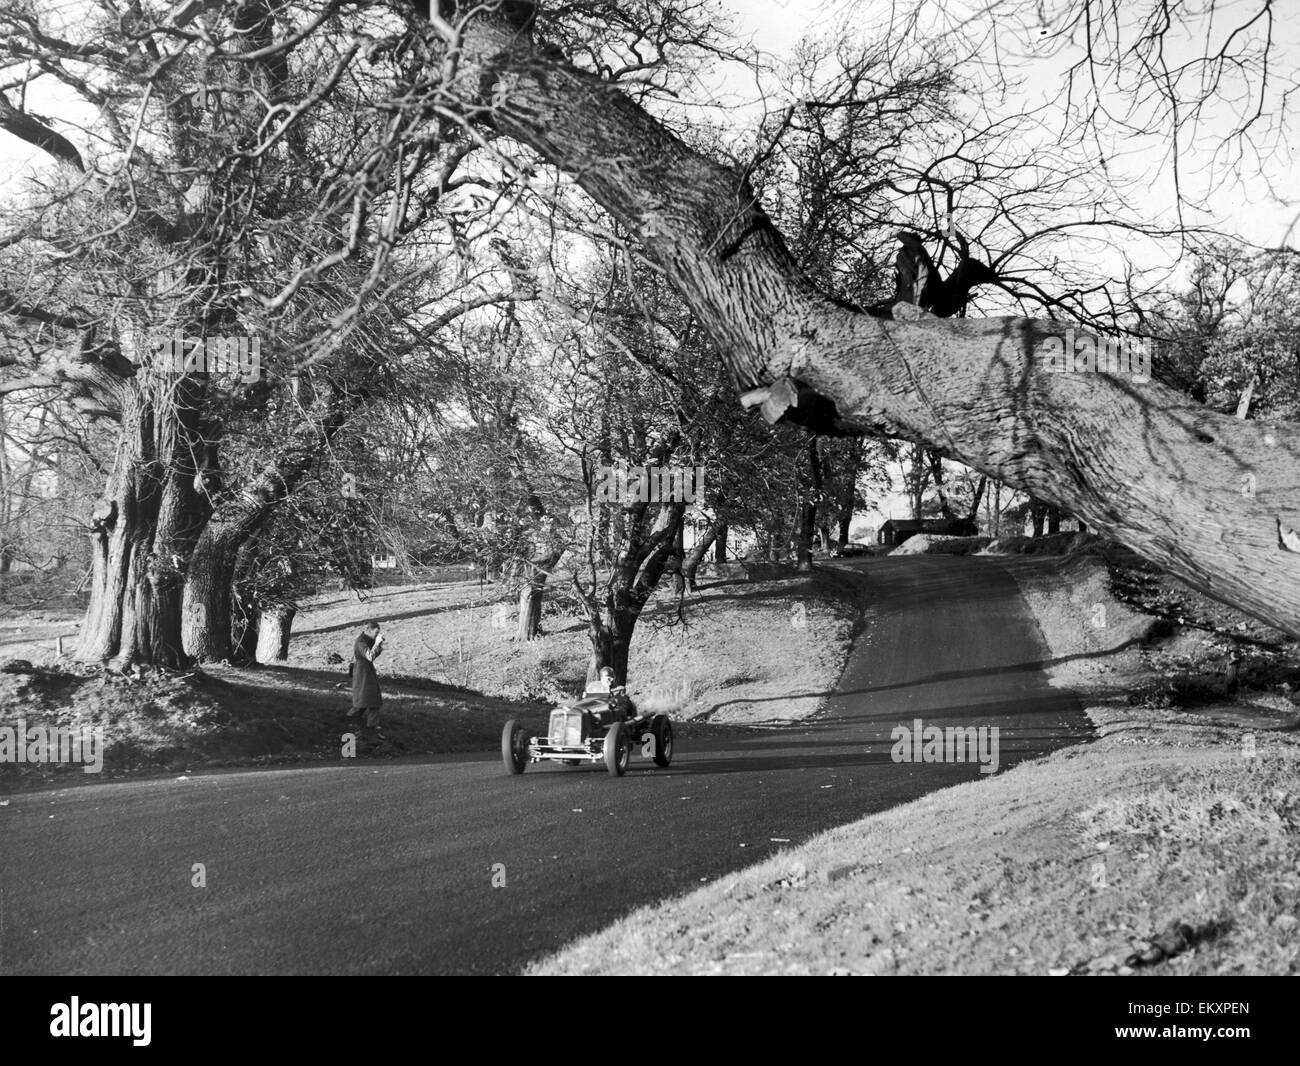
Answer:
(1251, 209)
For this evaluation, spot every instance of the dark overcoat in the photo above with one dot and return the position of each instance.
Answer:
(365, 682)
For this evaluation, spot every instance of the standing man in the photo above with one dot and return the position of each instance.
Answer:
(366, 697)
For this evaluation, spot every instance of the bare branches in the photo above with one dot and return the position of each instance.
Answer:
(29, 129)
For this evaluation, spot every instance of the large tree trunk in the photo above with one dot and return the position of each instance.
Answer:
(144, 531)
(1136, 460)
(720, 546)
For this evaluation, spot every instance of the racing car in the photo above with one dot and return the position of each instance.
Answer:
(602, 727)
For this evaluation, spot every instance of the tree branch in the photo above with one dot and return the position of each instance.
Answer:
(1135, 460)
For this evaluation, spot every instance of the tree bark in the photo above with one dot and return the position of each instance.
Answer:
(144, 529)
(274, 625)
(1135, 460)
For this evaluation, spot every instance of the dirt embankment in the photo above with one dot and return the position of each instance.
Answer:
(1171, 844)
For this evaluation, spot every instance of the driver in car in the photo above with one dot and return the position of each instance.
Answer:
(618, 697)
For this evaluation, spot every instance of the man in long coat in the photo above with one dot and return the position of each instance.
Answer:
(366, 697)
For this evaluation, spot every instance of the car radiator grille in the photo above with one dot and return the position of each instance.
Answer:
(566, 728)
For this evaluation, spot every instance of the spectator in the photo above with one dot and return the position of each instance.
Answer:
(366, 697)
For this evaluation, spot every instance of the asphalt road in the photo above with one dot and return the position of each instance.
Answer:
(388, 867)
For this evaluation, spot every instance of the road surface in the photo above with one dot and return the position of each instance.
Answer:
(389, 867)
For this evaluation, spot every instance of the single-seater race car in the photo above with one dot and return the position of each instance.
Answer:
(600, 727)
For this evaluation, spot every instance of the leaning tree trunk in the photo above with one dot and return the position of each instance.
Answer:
(1133, 458)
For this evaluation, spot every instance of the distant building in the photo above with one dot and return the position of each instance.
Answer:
(897, 530)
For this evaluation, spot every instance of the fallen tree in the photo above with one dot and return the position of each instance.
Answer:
(1209, 497)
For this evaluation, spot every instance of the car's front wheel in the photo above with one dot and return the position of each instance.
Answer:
(618, 749)
(662, 730)
(514, 747)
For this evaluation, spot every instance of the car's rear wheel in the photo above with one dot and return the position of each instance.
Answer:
(662, 730)
(618, 749)
(514, 747)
